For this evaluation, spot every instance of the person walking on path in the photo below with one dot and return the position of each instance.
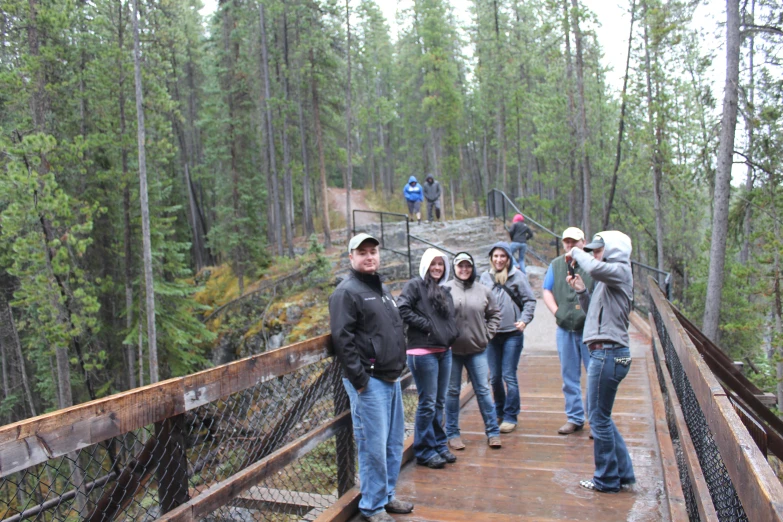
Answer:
(432, 195)
(479, 317)
(428, 310)
(369, 343)
(606, 334)
(563, 302)
(413, 196)
(517, 304)
(519, 233)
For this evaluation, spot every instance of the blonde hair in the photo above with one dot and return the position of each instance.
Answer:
(502, 276)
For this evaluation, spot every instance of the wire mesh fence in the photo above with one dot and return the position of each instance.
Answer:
(722, 490)
(152, 470)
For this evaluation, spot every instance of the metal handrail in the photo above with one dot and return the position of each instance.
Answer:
(422, 240)
(382, 239)
(667, 284)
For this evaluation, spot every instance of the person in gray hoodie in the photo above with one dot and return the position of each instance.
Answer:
(432, 195)
(517, 304)
(478, 317)
(606, 335)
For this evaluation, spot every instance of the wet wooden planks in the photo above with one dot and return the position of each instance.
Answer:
(535, 476)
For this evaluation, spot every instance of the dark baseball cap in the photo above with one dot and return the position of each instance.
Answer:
(596, 243)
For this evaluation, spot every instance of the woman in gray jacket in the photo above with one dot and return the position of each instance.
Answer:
(478, 317)
(517, 305)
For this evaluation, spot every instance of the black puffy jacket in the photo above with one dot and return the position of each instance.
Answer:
(426, 328)
(367, 330)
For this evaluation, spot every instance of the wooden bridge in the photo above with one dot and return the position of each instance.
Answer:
(269, 438)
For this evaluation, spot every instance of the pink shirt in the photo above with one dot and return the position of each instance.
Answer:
(424, 351)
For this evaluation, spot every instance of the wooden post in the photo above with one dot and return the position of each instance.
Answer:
(345, 448)
(170, 456)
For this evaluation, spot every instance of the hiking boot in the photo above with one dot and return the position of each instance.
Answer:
(399, 506)
(507, 427)
(379, 517)
(494, 442)
(569, 427)
(456, 444)
(435, 462)
(448, 456)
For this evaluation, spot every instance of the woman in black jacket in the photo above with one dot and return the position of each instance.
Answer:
(428, 310)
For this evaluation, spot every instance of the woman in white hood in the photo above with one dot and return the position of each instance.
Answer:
(428, 310)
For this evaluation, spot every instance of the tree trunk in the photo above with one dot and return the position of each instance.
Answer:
(288, 186)
(149, 289)
(749, 123)
(321, 161)
(307, 210)
(274, 197)
(621, 125)
(11, 335)
(581, 128)
(720, 216)
(126, 205)
(349, 159)
(655, 123)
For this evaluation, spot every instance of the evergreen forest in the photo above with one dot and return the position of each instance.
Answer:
(150, 155)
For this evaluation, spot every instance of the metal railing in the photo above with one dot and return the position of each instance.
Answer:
(257, 439)
(500, 206)
(404, 249)
(724, 474)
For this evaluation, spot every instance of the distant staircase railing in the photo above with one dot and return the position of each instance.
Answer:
(500, 206)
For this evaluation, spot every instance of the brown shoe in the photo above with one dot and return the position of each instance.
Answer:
(569, 427)
(456, 444)
(494, 442)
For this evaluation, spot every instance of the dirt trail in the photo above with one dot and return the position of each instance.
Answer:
(337, 203)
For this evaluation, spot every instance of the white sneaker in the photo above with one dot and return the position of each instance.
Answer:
(507, 427)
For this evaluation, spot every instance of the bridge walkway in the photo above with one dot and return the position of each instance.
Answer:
(535, 476)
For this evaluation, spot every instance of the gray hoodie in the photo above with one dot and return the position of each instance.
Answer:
(609, 305)
(517, 283)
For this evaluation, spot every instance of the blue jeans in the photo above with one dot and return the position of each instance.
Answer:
(503, 355)
(522, 247)
(573, 354)
(431, 374)
(379, 430)
(613, 467)
(478, 371)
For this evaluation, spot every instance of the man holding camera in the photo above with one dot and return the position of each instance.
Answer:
(563, 302)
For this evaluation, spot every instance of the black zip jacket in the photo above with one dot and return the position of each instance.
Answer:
(426, 329)
(520, 233)
(367, 330)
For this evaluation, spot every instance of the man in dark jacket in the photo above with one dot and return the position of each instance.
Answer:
(432, 195)
(369, 342)
(563, 302)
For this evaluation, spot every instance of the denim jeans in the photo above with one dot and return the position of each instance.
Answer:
(503, 355)
(522, 247)
(379, 430)
(613, 467)
(573, 354)
(478, 371)
(431, 374)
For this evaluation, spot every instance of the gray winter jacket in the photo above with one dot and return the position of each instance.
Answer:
(478, 316)
(517, 283)
(431, 190)
(609, 305)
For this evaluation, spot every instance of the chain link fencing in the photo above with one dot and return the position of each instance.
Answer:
(151, 470)
(722, 490)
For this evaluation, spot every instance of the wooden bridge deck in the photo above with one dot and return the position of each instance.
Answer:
(535, 476)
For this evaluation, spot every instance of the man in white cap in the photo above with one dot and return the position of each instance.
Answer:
(369, 342)
(563, 302)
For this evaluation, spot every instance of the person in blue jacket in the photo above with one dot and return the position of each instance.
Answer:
(414, 196)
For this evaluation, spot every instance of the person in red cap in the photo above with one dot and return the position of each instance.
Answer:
(519, 234)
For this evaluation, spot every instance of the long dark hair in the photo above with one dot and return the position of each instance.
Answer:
(436, 295)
